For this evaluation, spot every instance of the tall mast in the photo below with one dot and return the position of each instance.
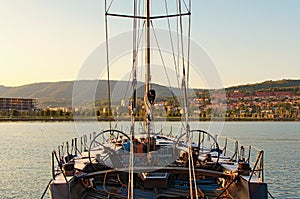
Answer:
(107, 66)
(133, 102)
(147, 104)
(147, 53)
(134, 64)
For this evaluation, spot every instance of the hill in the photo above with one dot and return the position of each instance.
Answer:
(280, 85)
(61, 93)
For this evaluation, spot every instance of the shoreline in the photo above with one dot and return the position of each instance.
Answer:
(156, 119)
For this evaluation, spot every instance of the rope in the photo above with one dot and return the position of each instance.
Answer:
(130, 179)
(194, 176)
(105, 190)
(104, 182)
(119, 180)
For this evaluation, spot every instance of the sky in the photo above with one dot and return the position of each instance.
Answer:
(248, 41)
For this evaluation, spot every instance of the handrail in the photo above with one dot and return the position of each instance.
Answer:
(259, 159)
(60, 160)
(226, 143)
(54, 174)
(257, 166)
(54, 155)
(52, 165)
(249, 154)
(225, 146)
(236, 151)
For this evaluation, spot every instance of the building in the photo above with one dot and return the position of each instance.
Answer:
(236, 95)
(19, 104)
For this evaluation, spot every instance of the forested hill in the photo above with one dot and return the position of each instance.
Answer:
(280, 85)
(60, 93)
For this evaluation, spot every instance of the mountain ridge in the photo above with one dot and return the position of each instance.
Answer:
(269, 85)
(61, 92)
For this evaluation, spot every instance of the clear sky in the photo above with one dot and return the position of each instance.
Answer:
(249, 41)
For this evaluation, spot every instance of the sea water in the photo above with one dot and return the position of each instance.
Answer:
(25, 152)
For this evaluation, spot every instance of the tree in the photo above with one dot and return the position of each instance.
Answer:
(15, 113)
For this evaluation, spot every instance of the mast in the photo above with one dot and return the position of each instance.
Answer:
(147, 104)
(134, 80)
(107, 66)
(133, 103)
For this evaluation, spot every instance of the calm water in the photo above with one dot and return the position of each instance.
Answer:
(25, 153)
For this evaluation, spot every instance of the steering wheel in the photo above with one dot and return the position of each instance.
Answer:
(96, 145)
(204, 142)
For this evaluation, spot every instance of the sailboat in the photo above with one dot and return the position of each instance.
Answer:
(152, 164)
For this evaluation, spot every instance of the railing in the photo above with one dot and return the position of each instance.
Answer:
(258, 168)
(59, 163)
(65, 151)
(237, 153)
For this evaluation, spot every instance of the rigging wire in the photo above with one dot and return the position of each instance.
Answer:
(184, 84)
(133, 105)
(183, 67)
(185, 5)
(177, 68)
(137, 53)
(192, 166)
(184, 101)
(135, 50)
(140, 31)
(178, 48)
(110, 5)
(161, 55)
(176, 65)
(189, 43)
(162, 59)
(188, 75)
(172, 45)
